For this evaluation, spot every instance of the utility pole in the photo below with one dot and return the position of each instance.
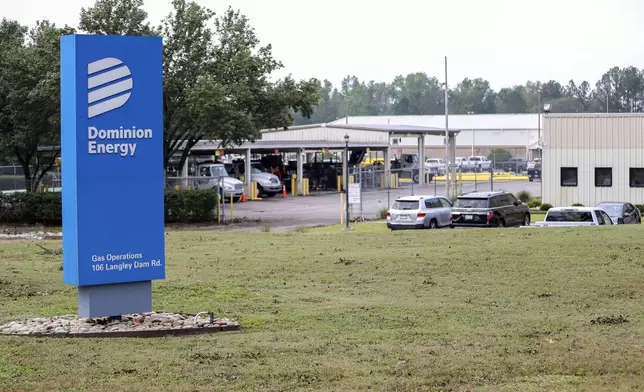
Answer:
(448, 175)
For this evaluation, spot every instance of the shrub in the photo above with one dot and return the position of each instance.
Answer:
(524, 196)
(29, 208)
(534, 203)
(640, 207)
(190, 206)
(577, 205)
(382, 213)
(545, 206)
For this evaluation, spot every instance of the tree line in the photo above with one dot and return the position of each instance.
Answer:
(216, 73)
(618, 90)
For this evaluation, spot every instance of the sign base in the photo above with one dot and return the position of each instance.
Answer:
(114, 299)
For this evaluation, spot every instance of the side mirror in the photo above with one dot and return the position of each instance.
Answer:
(517, 202)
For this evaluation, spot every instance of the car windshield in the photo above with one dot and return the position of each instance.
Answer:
(569, 216)
(612, 209)
(470, 203)
(405, 205)
(256, 171)
(218, 171)
(475, 159)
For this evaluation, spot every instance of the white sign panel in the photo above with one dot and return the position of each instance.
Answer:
(354, 193)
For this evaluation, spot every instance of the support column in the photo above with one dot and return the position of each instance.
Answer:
(300, 172)
(388, 167)
(184, 173)
(421, 159)
(452, 162)
(248, 177)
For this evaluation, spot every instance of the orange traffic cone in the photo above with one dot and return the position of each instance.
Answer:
(283, 191)
(243, 198)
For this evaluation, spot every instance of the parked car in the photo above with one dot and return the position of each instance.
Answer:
(534, 169)
(621, 212)
(575, 216)
(489, 209)
(477, 163)
(215, 176)
(516, 165)
(435, 165)
(419, 212)
(268, 184)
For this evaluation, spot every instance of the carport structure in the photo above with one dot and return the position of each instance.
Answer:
(312, 138)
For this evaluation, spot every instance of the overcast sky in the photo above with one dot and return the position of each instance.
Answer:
(504, 41)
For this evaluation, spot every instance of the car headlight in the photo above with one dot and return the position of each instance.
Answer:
(228, 187)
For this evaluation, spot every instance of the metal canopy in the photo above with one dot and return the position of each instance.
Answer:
(269, 146)
(393, 129)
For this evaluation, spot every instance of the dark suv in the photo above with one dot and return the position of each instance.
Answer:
(489, 209)
(516, 165)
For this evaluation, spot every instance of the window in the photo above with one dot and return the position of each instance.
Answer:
(405, 205)
(470, 203)
(636, 177)
(432, 203)
(600, 218)
(569, 176)
(511, 199)
(446, 203)
(607, 219)
(603, 176)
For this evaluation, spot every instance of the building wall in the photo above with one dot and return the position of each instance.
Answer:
(439, 152)
(498, 138)
(587, 142)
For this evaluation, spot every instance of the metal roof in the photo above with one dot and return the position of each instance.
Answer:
(457, 122)
(268, 146)
(413, 129)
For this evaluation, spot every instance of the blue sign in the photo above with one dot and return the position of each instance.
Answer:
(112, 159)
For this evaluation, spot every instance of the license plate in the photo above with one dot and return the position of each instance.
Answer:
(403, 217)
(468, 217)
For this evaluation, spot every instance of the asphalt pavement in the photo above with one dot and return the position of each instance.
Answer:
(324, 209)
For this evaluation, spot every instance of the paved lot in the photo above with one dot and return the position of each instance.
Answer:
(292, 212)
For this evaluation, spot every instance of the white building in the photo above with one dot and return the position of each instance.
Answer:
(594, 157)
(478, 133)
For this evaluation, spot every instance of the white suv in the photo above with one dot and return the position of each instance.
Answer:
(435, 165)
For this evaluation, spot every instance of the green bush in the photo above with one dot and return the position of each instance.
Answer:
(577, 205)
(382, 213)
(181, 206)
(524, 196)
(640, 207)
(534, 203)
(190, 206)
(545, 206)
(31, 208)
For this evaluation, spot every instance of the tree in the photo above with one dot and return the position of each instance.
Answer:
(216, 75)
(473, 96)
(116, 17)
(30, 94)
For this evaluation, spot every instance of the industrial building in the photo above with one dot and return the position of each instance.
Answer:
(593, 157)
(478, 133)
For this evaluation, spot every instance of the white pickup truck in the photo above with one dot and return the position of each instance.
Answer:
(574, 216)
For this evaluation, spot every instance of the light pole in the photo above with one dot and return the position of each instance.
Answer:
(346, 180)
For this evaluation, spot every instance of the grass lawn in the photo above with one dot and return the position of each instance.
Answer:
(386, 311)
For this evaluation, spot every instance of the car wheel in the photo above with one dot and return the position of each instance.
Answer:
(500, 223)
(236, 199)
(269, 194)
(416, 178)
(433, 224)
(526, 220)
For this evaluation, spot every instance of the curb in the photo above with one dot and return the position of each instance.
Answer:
(131, 334)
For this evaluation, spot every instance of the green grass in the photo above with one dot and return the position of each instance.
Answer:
(484, 310)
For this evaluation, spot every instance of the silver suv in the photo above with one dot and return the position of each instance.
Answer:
(419, 212)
